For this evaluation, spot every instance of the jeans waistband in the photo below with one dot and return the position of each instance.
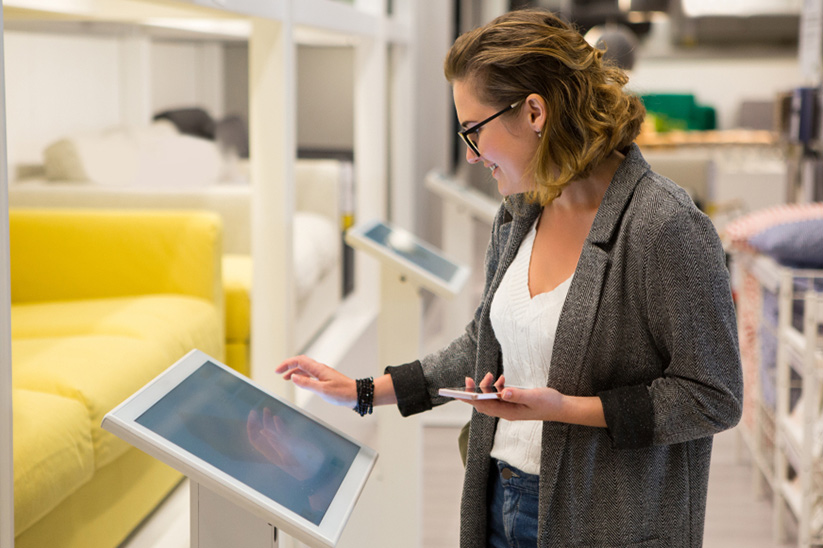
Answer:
(515, 478)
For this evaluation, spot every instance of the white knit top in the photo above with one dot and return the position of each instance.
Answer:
(525, 327)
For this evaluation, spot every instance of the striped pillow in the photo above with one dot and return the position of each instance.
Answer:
(740, 231)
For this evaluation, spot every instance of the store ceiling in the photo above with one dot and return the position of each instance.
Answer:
(693, 22)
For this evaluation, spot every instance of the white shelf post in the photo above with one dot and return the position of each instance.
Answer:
(6, 449)
(370, 138)
(272, 77)
(783, 383)
(403, 122)
(811, 410)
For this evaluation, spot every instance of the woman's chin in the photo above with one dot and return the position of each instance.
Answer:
(504, 188)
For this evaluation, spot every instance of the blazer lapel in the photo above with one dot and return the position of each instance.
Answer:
(574, 332)
(580, 309)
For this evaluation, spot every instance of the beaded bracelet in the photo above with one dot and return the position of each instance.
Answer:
(365, 396)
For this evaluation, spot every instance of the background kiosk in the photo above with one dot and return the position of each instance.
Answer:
(406, 265)
(255, 462)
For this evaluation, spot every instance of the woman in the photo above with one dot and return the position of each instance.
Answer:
(606, 296)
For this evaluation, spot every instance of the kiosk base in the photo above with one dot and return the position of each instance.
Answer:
(219, 523)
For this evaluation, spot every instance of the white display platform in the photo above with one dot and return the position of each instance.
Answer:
(256, 463)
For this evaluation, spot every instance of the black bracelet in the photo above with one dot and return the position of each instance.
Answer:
(365, 396)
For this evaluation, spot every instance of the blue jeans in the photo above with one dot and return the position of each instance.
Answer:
(513, 496)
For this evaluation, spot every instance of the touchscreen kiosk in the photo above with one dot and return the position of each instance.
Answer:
(406, 265)
(242, 443)
(426, 265)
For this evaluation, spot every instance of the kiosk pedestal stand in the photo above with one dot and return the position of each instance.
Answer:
(399, 439)
(406, 266)
(217, 522)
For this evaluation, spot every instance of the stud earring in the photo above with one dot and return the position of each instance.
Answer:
(539, 134)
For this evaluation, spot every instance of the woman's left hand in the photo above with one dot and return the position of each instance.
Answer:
(544, 404)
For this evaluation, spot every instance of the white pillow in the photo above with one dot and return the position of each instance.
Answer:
(316, 244)
(106, 158)
(153, 156)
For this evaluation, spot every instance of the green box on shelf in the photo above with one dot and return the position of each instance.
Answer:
(680, 110)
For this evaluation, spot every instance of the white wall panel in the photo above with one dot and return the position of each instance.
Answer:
(325, 101)
(173, 88)
(57, 85)
(719, 82)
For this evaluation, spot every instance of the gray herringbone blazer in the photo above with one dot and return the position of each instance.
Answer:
(649, 326)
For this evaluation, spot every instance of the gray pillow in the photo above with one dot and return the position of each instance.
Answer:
(798, 244)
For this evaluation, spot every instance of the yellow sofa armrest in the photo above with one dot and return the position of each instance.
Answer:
(86, 254)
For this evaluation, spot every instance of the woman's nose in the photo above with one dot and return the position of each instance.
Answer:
(471, 157)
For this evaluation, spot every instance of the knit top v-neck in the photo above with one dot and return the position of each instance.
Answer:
(525, 326)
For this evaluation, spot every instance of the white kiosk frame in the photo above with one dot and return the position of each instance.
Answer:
(232, 504)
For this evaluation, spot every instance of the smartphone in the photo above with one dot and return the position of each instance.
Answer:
(463, 393)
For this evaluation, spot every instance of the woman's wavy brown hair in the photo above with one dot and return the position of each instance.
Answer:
(533, 51)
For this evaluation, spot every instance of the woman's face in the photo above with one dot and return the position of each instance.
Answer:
(507, 144)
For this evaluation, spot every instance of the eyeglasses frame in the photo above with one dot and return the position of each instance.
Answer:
(468, 131)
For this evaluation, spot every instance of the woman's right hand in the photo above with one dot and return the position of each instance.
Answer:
(328, 383)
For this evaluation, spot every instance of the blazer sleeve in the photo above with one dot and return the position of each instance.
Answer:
(691, 317)
(416, 384)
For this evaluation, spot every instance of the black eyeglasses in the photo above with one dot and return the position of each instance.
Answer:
(465, 134)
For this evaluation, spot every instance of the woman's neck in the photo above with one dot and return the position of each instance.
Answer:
(587, 193)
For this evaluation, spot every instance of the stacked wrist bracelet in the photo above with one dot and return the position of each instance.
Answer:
(365, 396)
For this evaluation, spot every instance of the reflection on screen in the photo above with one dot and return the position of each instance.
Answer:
(415, 253)
(254, 438)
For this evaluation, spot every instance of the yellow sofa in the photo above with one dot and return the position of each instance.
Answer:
(102, 302)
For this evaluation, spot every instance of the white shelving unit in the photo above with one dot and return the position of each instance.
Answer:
(782, 353)
(385, 64)
(384, 39)
(798, 465)
(756, 280)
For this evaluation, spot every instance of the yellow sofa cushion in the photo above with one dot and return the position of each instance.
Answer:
(173, 322)
(103, 511)
(99, 352)
(59, 255)
(237, 273)
(53, 454)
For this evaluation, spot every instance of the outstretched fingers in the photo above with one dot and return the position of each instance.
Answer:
(300, 365)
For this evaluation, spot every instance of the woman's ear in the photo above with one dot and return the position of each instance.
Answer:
(535, 108)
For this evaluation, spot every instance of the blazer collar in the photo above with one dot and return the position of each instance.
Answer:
(620, 190)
